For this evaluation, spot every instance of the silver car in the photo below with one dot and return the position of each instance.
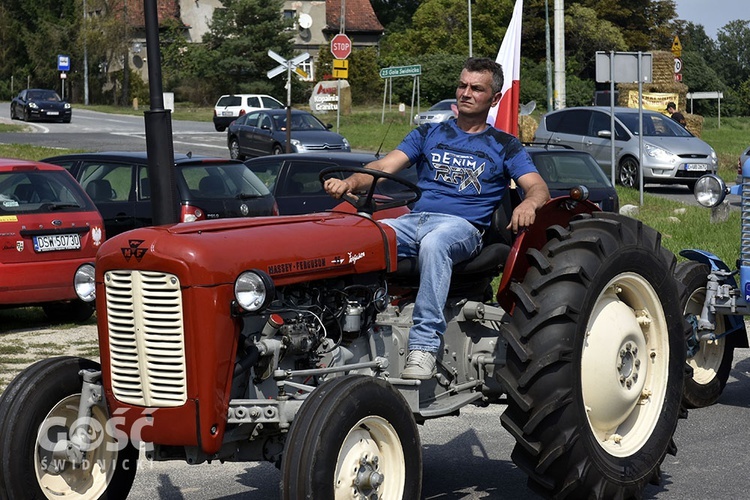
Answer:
(671, 154)
(439, 112)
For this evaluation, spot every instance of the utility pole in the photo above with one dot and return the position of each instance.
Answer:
(85, 60)
(559, 54)
(549, 56)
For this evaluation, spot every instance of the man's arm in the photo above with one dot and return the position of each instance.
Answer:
(391, 163)
(536, 195)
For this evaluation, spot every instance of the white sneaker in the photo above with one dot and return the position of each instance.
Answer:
(420, 365)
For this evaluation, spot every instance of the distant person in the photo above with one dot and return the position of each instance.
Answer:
(676, 115)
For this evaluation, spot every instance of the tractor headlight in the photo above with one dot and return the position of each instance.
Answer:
(710, 190)
(84, 283)
(254, 290)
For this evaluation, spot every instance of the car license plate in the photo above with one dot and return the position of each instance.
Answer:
(226, 113)
(53, 113)
(53, 242)
(696, 167)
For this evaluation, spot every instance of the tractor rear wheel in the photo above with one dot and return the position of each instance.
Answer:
(711, 360)
(596, 360)
(353, 437)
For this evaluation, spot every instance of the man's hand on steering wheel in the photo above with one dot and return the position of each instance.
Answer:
(364, 203)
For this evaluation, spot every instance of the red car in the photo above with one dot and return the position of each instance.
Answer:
(50, 232)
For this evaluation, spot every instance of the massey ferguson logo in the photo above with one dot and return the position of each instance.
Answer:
(134, 250)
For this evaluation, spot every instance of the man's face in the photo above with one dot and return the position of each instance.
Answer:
(670, 109)
(474, 94)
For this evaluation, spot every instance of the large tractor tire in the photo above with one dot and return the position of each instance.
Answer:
(37, 410)
(596, 360)
(353, 437)
(711, 360)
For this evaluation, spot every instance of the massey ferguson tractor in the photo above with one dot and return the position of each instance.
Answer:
(282, 339)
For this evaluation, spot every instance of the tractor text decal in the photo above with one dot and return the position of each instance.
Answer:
(300, 265)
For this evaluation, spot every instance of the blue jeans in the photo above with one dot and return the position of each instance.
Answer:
(440, 241)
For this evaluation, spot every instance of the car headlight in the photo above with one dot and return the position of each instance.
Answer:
(298, 146)
(657, 152)
(84, 283)
(67, 105)
(710, 190)
(33, 105)
(346, 143)
(254, 290)
(714, 158)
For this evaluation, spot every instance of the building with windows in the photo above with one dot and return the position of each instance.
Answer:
(315, 23)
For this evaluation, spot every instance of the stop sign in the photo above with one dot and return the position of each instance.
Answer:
(341, 46)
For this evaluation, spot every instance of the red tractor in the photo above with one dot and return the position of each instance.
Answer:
(282, 339)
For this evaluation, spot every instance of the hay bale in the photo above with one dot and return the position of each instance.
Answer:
(527, 126)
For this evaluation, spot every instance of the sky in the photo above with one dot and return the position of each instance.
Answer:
(712, 14)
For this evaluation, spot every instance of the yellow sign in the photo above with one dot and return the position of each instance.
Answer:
(341, 68)
(301, 72)
(676, 47)
(654, 101)
(8, 218)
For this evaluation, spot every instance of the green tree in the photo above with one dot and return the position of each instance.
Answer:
(733, 54)
(236, 46)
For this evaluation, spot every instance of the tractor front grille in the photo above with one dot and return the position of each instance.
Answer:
(146, 338)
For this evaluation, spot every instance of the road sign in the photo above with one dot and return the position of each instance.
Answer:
(394, 71)
(287, 65)
(678, 77)
(63, 63)
(677, 65)
(341, 68)
(676, 47)
(341, 46)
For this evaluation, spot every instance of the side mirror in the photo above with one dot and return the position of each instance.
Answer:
(607, 134)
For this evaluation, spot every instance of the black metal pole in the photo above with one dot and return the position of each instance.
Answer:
(159, 145)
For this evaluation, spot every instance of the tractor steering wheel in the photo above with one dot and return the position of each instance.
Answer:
(366, 203)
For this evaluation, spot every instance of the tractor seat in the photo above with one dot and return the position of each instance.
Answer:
(489, 263)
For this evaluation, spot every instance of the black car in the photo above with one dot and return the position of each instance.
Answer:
(294, 179)
(209, 188)
(264, 132)
(564, 168)
(40, 104)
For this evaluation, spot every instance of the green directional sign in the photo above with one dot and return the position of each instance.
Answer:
(395, 71)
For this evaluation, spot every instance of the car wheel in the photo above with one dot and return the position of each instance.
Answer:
(66, 120)
(75, 311)
(277, 149)
(26, 115)
(234, 149)
(13, 113)
(219, 128)
(628, 173)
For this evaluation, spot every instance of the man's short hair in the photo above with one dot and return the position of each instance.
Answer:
(671, 105)
(480, 64)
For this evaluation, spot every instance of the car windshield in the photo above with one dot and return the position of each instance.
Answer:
(443, 105)
(563, 171)
(40, 192)
(654, 125)
(43, 95)
(227, 181)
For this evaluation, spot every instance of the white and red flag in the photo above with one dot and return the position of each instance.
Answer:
(505, 115)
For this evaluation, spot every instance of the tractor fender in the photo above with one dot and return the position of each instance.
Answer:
(738, 337)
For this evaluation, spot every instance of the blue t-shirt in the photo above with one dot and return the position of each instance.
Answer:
(464, 174)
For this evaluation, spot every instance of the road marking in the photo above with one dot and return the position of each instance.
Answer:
(141, 136)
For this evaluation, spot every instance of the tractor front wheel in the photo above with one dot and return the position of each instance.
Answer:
(353, 437)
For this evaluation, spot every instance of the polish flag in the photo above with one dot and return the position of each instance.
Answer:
(505, 115)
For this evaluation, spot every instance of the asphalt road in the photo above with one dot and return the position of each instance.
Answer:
(468, 457)
(94, 131)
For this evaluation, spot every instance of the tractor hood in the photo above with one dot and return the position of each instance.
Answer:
(290, 249)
